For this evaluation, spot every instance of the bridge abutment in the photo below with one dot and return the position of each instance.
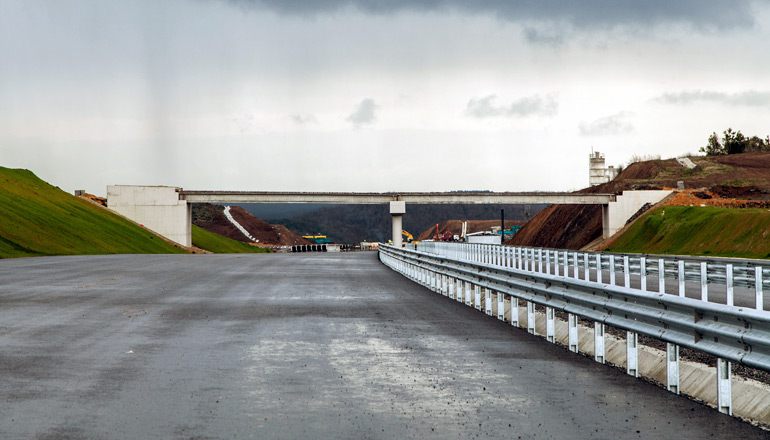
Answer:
(157, 208)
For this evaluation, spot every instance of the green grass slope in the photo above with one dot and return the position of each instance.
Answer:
(221, 245)
(689, 230)
(37, 219)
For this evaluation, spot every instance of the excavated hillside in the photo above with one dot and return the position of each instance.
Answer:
(212, 218)
(456, 227)
(740, 176)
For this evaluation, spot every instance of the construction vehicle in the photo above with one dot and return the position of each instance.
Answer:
(408, 236)
(317, 239)
(446, 236)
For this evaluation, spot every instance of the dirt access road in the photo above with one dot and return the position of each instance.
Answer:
(295, 346)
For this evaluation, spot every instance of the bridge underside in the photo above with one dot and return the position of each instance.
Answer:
(166, 210)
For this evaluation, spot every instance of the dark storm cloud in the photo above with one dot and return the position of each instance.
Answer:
(581, 14)
(748, 98)
(534, 105)
(364, 113)
(608, 125)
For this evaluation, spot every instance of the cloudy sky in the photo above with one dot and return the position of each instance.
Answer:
(370, 95)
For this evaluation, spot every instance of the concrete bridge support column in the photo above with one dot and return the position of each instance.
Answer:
(397, 211)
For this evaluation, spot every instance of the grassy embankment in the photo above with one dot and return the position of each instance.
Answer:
(706, 231)
(221, 245)
(37, 219)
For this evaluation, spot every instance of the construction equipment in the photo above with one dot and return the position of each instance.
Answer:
(318, 239)
(408, 236)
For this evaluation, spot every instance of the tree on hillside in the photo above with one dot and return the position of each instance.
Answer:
(734, 142)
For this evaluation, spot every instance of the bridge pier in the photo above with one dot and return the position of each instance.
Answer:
(397, 211)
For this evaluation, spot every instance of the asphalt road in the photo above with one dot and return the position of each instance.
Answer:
(295, 346)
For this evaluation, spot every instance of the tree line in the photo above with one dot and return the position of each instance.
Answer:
(734, 142)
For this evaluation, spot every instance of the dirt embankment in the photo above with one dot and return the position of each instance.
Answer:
(456, 227)
(212, 218)
(739, 181)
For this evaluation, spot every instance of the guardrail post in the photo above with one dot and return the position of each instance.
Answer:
(612, 270)
(661, 275)
(729, 280)
(531, 318)
(585, 262)
(459, 289)
(572, 322)
(500, 306)
(626, 272)
(672, 367)
(681, 278)
(599, 342)
(468, 299)
(556, 263)
(550, 333)
(514, 311)
(724, 387)
(632, 354)
(758, 288)
(488, 302)
(548, 261)
(577, 274)
(598, 268)
(643, 273)
(540, 260)
(450, 287)
(477, 297)
(704, 286)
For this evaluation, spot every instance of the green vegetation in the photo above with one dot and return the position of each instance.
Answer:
(689, 230)
(734, 142)
(38, 219)
(221, 245)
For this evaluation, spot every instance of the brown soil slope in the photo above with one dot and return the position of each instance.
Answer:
(212, 218)
(456, 226)
(574, 226)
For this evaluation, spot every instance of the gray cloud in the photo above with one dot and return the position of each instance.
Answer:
(534, 105)
(545, 37)
(364, 113)
(608, 125)
(748, 98)
(303, 119)
(581, 14)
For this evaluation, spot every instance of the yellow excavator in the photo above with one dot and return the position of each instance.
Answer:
(408, 236)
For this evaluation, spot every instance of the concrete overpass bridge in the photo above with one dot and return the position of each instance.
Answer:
(167, 210)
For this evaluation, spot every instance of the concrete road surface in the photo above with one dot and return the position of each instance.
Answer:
(295, 346)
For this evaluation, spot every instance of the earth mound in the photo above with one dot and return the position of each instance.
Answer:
(739, 181)
(212, 218)
(456, 227)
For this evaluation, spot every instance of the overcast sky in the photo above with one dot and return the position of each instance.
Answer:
(403, 95)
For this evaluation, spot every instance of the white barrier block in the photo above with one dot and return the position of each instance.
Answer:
(531, 318)
(724, 387)
(514, 311)
(599, 342)
(573, 332)
(672, 367)
(632, 354)
(550, 332)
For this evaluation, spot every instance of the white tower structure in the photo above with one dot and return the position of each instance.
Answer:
(597, 170)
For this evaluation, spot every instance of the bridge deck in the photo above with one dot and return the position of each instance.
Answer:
(382, 198)
(295, 346)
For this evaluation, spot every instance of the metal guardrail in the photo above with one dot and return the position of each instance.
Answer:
(623, 269)
(733, 334)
